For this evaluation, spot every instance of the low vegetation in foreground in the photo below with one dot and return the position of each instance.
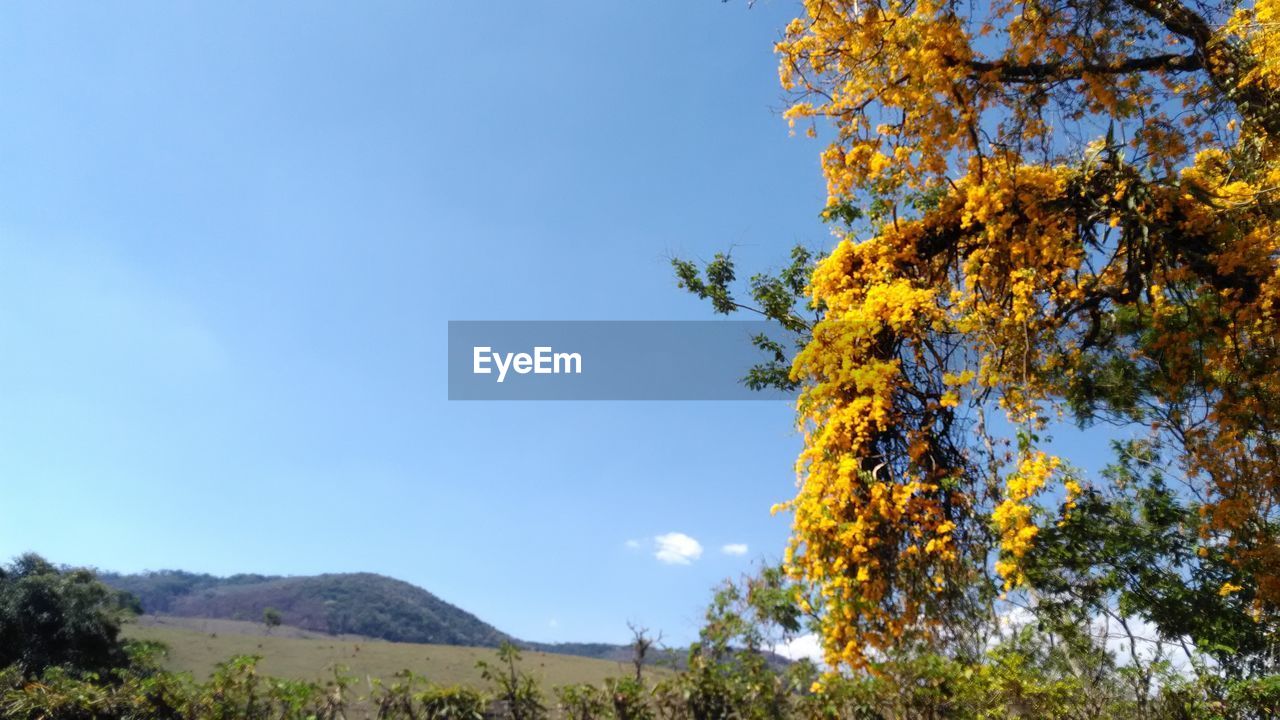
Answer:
(65, 655)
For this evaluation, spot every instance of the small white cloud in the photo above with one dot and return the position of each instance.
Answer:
(804, 647)
(633, 544)
(553, 623)
(676, 548)
(734, 549)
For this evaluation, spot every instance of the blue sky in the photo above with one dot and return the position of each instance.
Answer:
(231, 236)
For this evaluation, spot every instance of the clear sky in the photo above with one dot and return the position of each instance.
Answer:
(231, 236)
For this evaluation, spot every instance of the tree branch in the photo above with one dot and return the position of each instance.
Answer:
(1178, 18)
(1041, 72)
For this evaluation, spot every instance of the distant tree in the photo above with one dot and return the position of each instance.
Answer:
(271, 618)
(641, 643)
(51, 616)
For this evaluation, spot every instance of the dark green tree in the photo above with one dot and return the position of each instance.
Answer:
(271, 618)
(51, 616)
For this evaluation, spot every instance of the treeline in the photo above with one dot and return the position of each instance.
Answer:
(64, 659)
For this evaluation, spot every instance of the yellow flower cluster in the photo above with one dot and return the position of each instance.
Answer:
(862, 526)
(1259, 27)
(1013, 517)
(839, 38)
(1002, 284)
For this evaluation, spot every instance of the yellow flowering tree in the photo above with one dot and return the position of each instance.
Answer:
(1072, 209)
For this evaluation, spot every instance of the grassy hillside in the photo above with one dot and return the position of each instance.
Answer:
(359, 604)
(196, 645)
(353, 603)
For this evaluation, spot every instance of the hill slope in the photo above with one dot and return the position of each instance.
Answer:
(196, 646)
(360, 605)
(350, 603)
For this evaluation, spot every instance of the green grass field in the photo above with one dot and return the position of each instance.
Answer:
(196, 645)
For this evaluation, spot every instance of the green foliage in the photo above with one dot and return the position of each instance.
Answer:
(731, 672)
(410, 696)
(581, 701)
(1055, 665)
(778, 297)
(518, 692)
(235, 691)
(58, 694)
(628, 698)
(51, 616)
(271, 618)
(451, 703)
(1027, 675)
(1136, 552)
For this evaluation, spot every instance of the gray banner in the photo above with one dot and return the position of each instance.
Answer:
(608, 360)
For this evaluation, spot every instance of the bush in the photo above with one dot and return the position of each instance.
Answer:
(519, 697)
(581, 702)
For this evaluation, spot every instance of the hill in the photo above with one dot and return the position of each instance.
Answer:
(362, 604)
(196, 645)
